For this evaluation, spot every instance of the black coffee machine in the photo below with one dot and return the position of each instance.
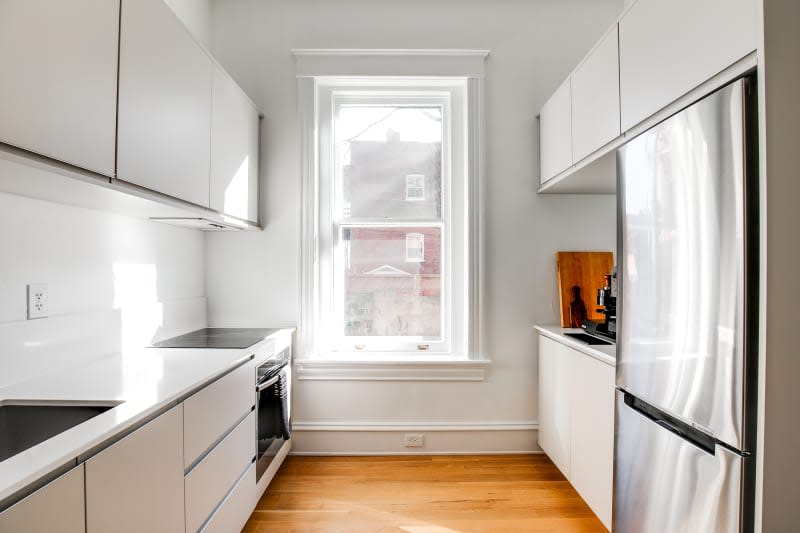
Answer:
(607, 305)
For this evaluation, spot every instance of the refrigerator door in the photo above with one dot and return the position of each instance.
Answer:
(680, 344)
(665, 484)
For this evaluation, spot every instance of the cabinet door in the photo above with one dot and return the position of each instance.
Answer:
(234, 150)
(555, 133)
(164, 104)
(595, 98)
(592, 427)
(136, 484)
(668, 48)
(55, 508)
(58, 89)
(554, 402)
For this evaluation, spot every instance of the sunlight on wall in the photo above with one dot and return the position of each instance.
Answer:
(236, 192)
(135, 296)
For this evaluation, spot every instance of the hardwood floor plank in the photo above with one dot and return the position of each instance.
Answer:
(421, 494)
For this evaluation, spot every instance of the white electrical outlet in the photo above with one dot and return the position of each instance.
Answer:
(37, 300)
(414, 440)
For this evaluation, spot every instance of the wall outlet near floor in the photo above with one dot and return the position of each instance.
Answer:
(37, 300)
(414, 440)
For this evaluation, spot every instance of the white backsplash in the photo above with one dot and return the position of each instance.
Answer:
(33, 348)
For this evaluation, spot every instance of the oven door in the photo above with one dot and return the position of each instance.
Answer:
(273, 415)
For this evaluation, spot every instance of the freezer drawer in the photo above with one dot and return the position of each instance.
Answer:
(666, 484)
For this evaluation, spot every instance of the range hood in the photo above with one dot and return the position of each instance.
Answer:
(203, 224)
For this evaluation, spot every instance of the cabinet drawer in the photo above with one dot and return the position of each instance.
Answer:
(214, 410)
(209, 482)
(232, 515)
(58, 507)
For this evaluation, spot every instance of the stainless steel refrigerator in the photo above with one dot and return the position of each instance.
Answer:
(687, 339)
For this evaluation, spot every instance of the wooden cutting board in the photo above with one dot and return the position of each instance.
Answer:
(584, 270)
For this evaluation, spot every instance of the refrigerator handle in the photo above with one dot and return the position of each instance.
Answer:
(700, 439)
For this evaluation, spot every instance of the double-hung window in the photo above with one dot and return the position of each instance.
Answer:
(391, 228)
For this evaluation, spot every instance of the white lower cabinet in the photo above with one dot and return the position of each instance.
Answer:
(576, 421)
(58, 507)
(232, 515)
(136, 484)
(591, 469)
(210, 481)
(554, 402)
(214, 410)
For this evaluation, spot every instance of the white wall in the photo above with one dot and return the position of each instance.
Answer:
(114, 278)
(196, 16)
(252, 279)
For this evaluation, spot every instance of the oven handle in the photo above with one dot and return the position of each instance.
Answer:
(268, 383)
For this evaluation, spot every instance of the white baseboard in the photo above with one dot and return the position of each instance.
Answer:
(351, 438)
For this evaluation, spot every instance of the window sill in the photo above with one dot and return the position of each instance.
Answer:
(411, 368)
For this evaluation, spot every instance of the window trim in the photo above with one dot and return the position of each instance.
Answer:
(338, 61)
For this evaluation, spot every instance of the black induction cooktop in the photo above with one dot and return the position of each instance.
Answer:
(218, 338)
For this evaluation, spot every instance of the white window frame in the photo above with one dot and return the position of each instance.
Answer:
(449, 96)
(464, 359)
(410, 185)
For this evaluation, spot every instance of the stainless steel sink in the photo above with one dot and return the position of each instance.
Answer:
(588, 339)
(25, 425)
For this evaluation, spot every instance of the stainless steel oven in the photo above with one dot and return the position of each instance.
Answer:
(273, 408)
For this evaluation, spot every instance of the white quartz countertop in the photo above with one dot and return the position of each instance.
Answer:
(145, 380)
(607, 353)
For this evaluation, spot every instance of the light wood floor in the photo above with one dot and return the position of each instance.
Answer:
(421, 494)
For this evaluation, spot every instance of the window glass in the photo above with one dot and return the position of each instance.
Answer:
(392, 282)
(389, 159)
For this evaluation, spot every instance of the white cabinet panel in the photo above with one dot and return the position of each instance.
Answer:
(58, 88)
(668, 48)
(136, 484)
(209, 481)
(58, 507)
(215, 409)
(555, 133)
(595, 98)
(164, 104)
(555, 392)
(592, 448)
(234, 150)
(237, 507)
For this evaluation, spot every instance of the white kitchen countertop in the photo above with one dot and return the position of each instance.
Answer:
(146, 381)
(607, 353)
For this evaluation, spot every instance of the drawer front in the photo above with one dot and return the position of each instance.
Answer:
(237, 507)
(211, 412)
(58, 507)
(209, 481)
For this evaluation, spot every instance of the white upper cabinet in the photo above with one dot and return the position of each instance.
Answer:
(234, 150)
(164, 133)
(595, 98)
(136, 484)
(555, 133)
(669, 47)
(58, 507)
(58, 87)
